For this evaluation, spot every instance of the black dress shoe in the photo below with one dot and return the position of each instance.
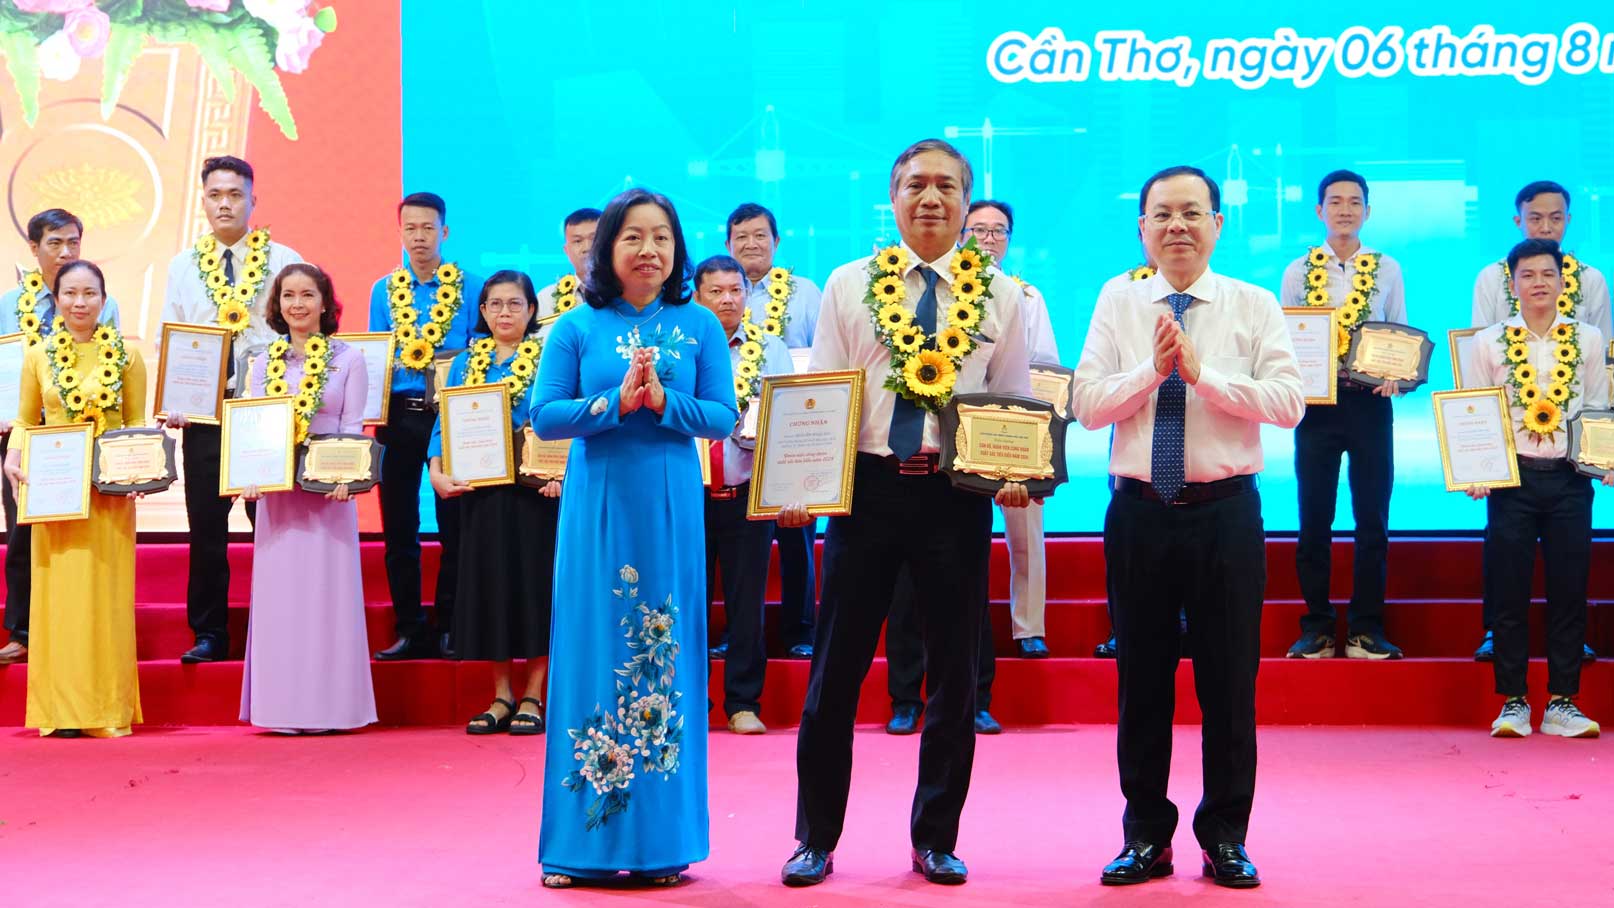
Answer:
(1138, 862)
(801, 651)
(445, 645)
(1033, 648)
(206, 650)
(67, 733)
(1587, 654)
(408, 648)
(985, 724)
(1486, 651)
(719, 651)
(904, 719)
(1105, 650)
(941, 867)
(1229, 865)
(808, 866)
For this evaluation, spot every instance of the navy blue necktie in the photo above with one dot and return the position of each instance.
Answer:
(907, 418)
(1170, 408)
(229, 267)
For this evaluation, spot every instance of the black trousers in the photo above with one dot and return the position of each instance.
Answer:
(1359, 426)
(738, 550)
(207, 513)
(1209, 558)
(798, 587)
(1554, 508)
(406, 435)
(905, 650)
(19, 566)
(943, 537)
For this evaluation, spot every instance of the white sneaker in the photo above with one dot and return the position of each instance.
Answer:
(1564, 719)
(1514, 722)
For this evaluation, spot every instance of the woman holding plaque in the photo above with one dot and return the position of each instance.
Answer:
(308, 660)
(82, 675)
(507, 533)
(633, 378)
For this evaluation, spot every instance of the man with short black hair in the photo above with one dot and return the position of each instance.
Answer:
(567, 291)
(223, 279)
(1186, 366)
(1541, 212)
(1361, 284)
(1550, 366)
(54, 236)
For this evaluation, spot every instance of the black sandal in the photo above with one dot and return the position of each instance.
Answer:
(532, 723)
(489, 724)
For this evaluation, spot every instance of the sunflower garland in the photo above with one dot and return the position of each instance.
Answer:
(1357, 306)
(1544, 407)
(522, 368)
(418, 343)
(748, 372)
(566, 292)
(27, 301)
(924, 369)
(233, 300)
(87, 399)
(781, 290)
(310, 394)
(1568, 300)
(1140, 273)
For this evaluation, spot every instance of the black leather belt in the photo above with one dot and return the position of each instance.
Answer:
(413, 404)
(1544, 464)
(1192, 493)
(917, 465)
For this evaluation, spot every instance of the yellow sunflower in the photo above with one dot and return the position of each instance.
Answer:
(444, 295)
(954, 342)
(206, 244)
(565, 303)
(1143, 273)
(1562, 373)
(890, 290)
(566, 285)
(750, 350)
(107, 375)
(104, 334)
(521, 367)
(1318, 297)
(774, 309)
(965, 261)
(779, 291)
(300, 434)
(68, 379)
(252, 275)
(1342, 340)
(752, 331)
(405, 334)
(104, 398)
(742, 388)
(962, 315)
(440, 313)
(1570, 265)
(110, 354)
(258, 239)
(967, 289)
(892, 316)
(478, 365)
(432, 332)
(256, 259)
(1566, 304)
(1557, 392)
(1518, 353)
(402, 297)
(275, 369)
(1367, 263)
(1566, 353)
(1362, 282)
(778, 275)
(223, 296)
(316, 346)
(1543, 417)
(1317, 258)
(746, 370)
(406, 315)
(216, 280)
(1349, 315)
(60, 339)
(1524, 374)
(275, 387)
(1316, 278)
(417, 354)
(234, 316)
(279, 347)
(245, 292)
(1516, 334)
(930, 374)
(514, 381)
(398, 281)
(484, 345)
(314, 366)
(908, 339)
(1571, 283)
(528, 349)
(308, 385)
(208, 262)
(893, 259)
(65, 357)
(773, 326)
(303, 404)
(1563, 333)
(1529, 394)
(1355, 299)
(29, 322)
(75, 399)
(448, 273)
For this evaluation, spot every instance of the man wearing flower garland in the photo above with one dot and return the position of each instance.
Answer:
(1361, 284)
(785, 305)
(736, 547)
(222, 280)
(428, 305)
(29, 308)
(924, 320)
(559, 298)
(1541, 212)
(1550, 366)
(1186, 366)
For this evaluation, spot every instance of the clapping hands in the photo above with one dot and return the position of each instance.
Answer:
(641, 386)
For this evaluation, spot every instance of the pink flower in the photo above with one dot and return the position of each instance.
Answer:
(298, 39)
(88, 30)
(51, 6)
(212, 6)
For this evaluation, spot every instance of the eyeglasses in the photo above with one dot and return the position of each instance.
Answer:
(499, 306)
(989, 233)
(1192, 217)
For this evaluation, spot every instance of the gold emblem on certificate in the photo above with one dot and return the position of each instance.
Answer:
(989, 440)
(1591, 442)
(1387, 351)
(1052, 383)
(56, 463)
(806, 444)
(338, 459)
(134, 460)
(542, 462)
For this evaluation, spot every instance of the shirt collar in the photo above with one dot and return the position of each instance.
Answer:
(239, 251)
(1204, 288)
(1517, 321)
(738, 334)
(431, 279)
(942, 266)
(1364, 249)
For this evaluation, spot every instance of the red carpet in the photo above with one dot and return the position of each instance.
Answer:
(416, 817)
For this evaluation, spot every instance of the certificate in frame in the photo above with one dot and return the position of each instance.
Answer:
(1476, 424)
(12, 348)
(1460, 340)
(379, 349)
(193, 346)
(806, 452)
(261, 430)
(65, 448)
(437, 375)
(476, 420)
(1312, 332)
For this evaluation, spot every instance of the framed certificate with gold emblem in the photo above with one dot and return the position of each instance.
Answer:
(256, 446)
(437, 375)
(477, 446)
(1461, 341)
(1388, 351)
(377, 348)
(12, 348)
(1591, 443)
(1311, 330)
(1475, 430)
(192, 367)
(340, 458)
(134, 460)
(806, 443)
(990, 440)
(56, 464)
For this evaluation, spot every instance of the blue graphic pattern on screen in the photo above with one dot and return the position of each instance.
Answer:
(518, 113)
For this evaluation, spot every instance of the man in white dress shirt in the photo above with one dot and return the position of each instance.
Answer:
(249, 262)
(906, 514)
(578, 229)
(1541, 212)
(1550, 366)
(1360, 424)
(1186, 366)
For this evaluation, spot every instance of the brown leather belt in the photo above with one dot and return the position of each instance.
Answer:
(917, 465)
(1191, 493)
(1544, 464)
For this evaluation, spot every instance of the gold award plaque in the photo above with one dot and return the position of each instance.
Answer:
(543, 459)
(1389, 355)
(131, 460)
(1004, 443)
(338, 461)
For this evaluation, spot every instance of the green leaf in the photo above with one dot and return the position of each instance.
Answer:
(210, 42)
(22, 61)
(122, 10)
(122, 47)
(325, 20)
(250, 53)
